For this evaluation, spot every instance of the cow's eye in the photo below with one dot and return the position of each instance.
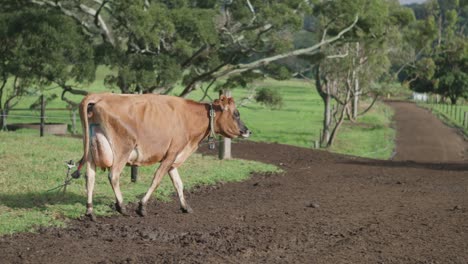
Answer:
(236, 114)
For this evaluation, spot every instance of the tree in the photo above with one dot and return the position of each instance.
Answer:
(441, 66)
(346, 70)
(451, 74)
(157, 44)
(37, 49)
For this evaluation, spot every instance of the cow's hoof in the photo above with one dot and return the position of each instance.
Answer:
(187, 209)
(121, 208)
(91, 216)
(142, 209)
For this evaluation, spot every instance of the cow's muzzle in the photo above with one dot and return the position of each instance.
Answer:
(243, 130)
(245, 133)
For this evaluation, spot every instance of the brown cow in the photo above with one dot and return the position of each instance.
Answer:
(145, 129)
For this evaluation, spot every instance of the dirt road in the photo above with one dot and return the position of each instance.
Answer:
(423, 137)
(324, 208)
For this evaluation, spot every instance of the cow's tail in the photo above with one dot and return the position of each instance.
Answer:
(85, 103)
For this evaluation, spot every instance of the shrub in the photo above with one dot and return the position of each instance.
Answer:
(269, 97)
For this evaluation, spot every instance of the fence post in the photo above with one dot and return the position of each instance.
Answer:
(224, 143)
(74, 121)
(42, 116)
(465, 120)
(460, 116)
(316, 144)
(320, 137)
(134, 173)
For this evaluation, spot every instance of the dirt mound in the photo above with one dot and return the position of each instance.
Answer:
(324, 208)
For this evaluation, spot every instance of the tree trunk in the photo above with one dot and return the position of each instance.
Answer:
(439, 31)
(327, 118)
(355, 76)
(356, 96)
(453, 100)
(323, 90)
(336, 128)
(340, 121)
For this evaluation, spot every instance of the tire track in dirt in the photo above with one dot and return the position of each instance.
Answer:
(324, 208)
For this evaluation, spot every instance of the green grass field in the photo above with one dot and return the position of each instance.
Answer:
(32, 165)
(297, 123)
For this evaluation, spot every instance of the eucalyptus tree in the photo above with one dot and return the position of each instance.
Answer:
(157, 44)
(442, 66)
(348, 68)
(373, 48)
(39, 49)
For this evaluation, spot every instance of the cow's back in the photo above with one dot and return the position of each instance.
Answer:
(149, 123)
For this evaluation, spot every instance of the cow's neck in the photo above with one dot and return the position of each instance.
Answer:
(211, 125)
(202, 119)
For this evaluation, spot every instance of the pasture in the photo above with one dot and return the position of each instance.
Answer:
(32, 165)
(391, 187)
(323, 208)
(297, 123)
(30, 172)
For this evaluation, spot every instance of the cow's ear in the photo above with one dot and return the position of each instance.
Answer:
(230, 100)
(224, 102)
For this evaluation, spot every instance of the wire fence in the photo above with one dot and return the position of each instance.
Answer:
(11, 121)
(456, 114)
(224, 148)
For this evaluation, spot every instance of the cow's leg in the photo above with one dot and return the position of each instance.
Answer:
(179, 186)
(160, 172)
(90, 178)
(114, 179)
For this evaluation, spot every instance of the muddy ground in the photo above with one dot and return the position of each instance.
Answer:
(324, 208)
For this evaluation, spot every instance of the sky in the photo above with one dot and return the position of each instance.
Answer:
(404, 2)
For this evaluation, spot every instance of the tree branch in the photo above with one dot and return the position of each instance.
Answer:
(70, 89)
(66, 12)
(205, 93)
(371, 105)
(236, 69)
(201, 51)
(190, 87)
(99, 22)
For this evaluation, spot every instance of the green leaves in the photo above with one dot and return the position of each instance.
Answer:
(40, 48)
(442, 62)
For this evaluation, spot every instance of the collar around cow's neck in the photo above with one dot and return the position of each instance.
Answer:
(211, 137)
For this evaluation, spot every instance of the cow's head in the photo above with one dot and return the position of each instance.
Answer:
(229, 123)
